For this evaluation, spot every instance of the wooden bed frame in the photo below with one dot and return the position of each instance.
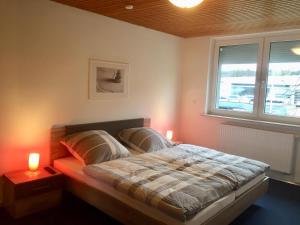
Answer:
(121, 211)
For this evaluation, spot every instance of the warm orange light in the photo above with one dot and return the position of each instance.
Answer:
(33, 161)
(169, 135)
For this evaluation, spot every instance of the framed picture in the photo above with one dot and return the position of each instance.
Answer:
(107, 79)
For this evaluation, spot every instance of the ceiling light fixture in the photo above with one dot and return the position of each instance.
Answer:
(128, 7)
(186, 3)
(296, 50)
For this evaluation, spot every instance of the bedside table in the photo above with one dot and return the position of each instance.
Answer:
(28, 192)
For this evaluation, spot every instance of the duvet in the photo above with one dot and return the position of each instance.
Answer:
(180, 181)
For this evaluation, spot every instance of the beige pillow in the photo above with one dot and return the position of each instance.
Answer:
(94, 146)
(144, 139)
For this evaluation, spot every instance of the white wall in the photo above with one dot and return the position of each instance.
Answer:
(195, 127)
(45, 47)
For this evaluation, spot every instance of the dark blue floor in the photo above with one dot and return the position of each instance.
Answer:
(280, 206)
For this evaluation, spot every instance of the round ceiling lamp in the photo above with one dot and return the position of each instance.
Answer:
(186, 3)
(296, 50)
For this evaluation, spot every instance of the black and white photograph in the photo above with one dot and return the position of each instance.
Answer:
(107, 79)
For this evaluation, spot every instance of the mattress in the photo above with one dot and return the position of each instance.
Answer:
(73, 168)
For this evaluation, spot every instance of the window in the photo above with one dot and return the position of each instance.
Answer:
(256, 79)
(236, 77)
(283, 80)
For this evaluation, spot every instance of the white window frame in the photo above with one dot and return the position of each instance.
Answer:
(263, 41)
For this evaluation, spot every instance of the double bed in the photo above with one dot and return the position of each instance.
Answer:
(112, 199)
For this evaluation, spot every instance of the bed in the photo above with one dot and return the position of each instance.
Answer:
(131, 211)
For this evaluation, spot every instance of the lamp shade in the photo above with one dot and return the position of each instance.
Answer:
(169, 134)
(33, 161)
(186, 3)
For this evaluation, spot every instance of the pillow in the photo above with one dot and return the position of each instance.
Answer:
(144, 139)
(94, 146)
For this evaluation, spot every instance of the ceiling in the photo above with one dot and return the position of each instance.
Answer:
(212, 17)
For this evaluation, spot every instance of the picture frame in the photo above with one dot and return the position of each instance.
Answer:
(108, 80)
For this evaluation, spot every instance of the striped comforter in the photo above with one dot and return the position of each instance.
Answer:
(181, 180)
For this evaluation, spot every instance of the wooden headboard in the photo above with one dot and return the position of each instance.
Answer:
(57, 150)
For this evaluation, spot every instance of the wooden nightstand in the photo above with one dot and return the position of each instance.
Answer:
(26, 192)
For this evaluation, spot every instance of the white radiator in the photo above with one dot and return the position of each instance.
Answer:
(274, 148)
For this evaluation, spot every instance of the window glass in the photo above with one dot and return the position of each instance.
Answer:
(236, 77)
(283, 80)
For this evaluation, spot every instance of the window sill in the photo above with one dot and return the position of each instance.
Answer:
(258, 124)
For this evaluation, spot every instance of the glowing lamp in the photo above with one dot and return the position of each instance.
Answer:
(169, 135)
(296, 50)
(186, 3)
(33, 161)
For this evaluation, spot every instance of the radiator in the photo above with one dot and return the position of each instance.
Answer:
(274, 148)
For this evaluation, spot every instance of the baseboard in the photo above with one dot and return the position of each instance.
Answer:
(286, 181)
(287, 178)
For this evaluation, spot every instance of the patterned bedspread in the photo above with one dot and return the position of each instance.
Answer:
(180, 181)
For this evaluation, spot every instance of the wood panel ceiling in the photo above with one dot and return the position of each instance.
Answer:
(212, 17)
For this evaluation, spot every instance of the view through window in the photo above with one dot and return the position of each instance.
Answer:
(279, 76)
(283, 82)
(236, 78)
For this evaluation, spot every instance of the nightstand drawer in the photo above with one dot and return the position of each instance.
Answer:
(35, 203)
(38, 187)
